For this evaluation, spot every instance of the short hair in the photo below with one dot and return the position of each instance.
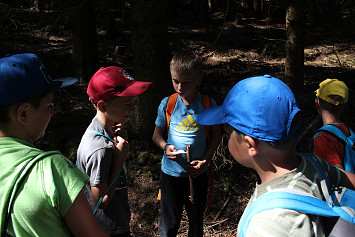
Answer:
(296, 128)
(186, 61)
(334, 109)
(35, 101)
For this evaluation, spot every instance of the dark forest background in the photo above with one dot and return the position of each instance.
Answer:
(300, 42)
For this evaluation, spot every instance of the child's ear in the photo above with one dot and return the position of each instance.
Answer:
(22, 113)
(316, 101)
(200, 79)
(101, 105)
(252, 146)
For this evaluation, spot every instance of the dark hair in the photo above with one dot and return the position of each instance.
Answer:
(334, 109)
(35, 101)
(186, 61)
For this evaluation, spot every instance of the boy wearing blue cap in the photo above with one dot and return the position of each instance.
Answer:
(263, 119)
(41, 192)
(176, 128)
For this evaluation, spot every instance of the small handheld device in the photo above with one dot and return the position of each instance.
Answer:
(178, 152)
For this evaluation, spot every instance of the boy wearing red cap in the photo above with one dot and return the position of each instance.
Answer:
(331, 101)
(103, 147)
(41, 192)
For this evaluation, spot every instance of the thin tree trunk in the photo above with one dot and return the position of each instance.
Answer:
(85, 54)
(294, 66)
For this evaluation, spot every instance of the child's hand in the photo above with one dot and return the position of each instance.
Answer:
(122, 145)
(195, 167)
(118, 130)
(168, 150)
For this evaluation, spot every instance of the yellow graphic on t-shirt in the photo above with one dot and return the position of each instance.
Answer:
(187, 124)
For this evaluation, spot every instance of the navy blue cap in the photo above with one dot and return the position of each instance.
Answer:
(261, 107)
(23, 76)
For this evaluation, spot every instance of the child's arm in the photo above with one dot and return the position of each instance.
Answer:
(350, 180)
(80, 219)
(159, 140)
(196, 166)
(120, 156)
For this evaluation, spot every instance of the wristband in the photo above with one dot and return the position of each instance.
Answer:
(167, 144)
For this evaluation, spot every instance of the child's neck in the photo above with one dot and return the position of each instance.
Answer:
(105, 121)
(329, 118)
(190, 99)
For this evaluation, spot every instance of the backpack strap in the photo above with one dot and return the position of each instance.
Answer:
(18, 182)
(116, 177)
(335, 131)
(206, 103)
(170, 109)
(326, 186)
(348, 161)
(289, 200)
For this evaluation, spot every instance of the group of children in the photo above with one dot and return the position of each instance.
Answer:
(43, 192)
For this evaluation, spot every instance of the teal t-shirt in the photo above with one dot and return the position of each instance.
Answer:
(183, 131)
(49, 189)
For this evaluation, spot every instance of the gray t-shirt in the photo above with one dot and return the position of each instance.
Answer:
(95, 157)
(286, 222)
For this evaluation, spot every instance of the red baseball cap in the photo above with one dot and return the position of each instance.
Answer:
(113, 81)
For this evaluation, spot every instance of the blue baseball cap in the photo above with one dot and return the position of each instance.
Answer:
(261, 107)
(23, 76)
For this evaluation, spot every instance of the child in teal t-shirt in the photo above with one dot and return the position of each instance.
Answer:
(186, 74)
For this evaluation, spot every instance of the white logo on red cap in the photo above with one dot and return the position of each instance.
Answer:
(126, 75)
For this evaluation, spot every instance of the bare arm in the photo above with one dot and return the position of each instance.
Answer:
(350, 180)
(158, 136)
(80, 219)
(159, 140)
(340, 166)
(97, 191)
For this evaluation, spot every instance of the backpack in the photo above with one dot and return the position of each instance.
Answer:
(349, 154)
(206, 103)
(340, 221)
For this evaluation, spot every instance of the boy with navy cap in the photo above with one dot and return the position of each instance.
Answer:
(104, 147)
(41, 192)
(263, 119)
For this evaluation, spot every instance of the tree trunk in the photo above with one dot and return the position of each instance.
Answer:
(85, 53)
(257, 6)
(202, 9)
(151, 63)
(294, 66)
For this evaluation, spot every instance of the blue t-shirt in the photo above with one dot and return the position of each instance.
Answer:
(183, 131)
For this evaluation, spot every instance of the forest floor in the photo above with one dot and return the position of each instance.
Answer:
(231, 51)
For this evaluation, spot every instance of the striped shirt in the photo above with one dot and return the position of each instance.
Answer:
(285, 222)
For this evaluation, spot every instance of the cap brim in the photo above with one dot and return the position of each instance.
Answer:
(67, 81)
(136, 88)
(212, 116)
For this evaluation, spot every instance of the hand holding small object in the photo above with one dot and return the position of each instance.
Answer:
(170, 152)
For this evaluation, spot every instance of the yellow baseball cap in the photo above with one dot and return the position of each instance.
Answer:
(333, 87)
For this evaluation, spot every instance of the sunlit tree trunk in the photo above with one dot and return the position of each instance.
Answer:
(294, 66)
(150, 61)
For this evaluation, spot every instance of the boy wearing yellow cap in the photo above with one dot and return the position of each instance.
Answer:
(331, 101)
